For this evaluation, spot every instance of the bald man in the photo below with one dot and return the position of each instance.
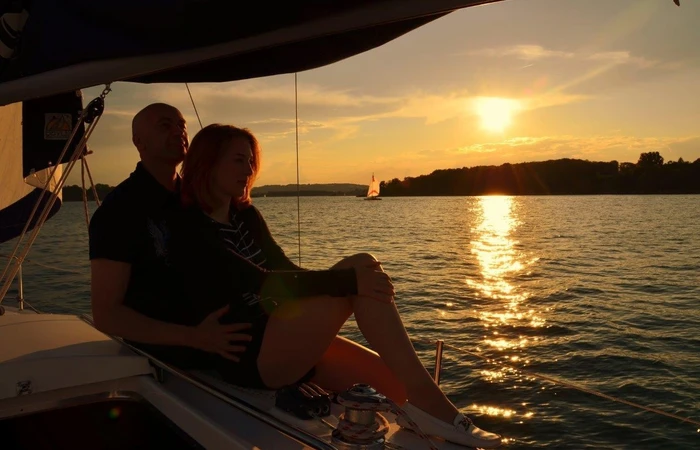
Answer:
(127, 233)
(132, 283)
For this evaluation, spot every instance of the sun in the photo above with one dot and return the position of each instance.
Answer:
(496, 113)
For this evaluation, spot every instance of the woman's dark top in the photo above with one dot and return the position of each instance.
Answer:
(241, 265)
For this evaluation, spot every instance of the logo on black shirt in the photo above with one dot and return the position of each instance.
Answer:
(160, 236)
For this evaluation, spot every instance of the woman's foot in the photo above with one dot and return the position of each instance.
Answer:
(460, 431)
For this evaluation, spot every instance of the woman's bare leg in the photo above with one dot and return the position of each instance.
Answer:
(346, 363)
(381, 325)
(383, 328)
(297, 336)
(299, 333)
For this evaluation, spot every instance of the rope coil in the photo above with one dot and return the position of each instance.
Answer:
(363, 433)
(379, 428)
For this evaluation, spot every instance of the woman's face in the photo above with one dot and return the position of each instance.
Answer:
(233, 171)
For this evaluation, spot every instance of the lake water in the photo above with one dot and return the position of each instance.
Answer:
(602, 292)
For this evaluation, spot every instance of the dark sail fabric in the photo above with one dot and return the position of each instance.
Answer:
(157, 41)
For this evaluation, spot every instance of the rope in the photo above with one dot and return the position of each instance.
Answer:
(364, 433)
(26, 303)
(46, 266)
(569, 384)
(194, 106)
(92, 183)
(82, 182)
(83, 169)
(296, 127)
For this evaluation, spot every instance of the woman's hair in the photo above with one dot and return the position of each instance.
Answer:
(204, 153)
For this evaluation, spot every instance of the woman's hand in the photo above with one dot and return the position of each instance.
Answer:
(211, 336)
(374, 283)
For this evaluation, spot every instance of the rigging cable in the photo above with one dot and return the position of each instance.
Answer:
(559, 381)
(194, 106)
(296, 127)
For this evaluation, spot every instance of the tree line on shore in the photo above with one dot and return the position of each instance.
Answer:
(649, 175)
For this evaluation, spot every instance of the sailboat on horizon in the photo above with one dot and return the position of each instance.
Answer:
(373, 190)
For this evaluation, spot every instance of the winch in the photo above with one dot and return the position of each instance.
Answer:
(361, 426)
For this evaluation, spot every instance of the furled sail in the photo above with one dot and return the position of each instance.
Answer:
(32, 137)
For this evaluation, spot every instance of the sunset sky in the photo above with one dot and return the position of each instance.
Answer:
(509, 82)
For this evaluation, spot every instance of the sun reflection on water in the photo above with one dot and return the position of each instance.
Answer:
(499, 262)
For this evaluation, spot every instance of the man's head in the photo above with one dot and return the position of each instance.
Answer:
(159, 133)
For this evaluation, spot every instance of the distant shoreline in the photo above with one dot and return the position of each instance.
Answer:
(331, 194)
(651, 175)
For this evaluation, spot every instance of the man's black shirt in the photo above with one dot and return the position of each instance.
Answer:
(130, 226)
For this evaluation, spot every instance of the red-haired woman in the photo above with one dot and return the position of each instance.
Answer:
(230, 262)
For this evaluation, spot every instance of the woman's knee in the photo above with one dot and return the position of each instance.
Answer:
(364, 258)
(358, 259)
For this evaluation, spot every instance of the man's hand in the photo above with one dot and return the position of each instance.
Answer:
(211, 336)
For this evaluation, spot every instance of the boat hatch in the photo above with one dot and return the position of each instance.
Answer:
(127, 422)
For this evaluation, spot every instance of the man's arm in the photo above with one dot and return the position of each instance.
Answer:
(109, 282)
(114, 232)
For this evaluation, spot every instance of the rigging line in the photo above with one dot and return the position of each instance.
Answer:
(46, 266)
(92, 183)
(296, 127)
(26, 303)
(568, 384)
(84, 192)
(194, 106)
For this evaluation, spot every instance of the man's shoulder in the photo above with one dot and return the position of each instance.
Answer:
(126, 205)
(125, 194)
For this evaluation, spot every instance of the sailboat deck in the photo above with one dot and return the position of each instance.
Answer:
(44, 352)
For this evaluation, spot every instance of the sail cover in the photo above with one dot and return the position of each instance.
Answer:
(52, 46)
(32, 137)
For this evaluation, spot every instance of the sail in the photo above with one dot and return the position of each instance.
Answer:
(32, 137)
(373, 190)
(53, 46)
